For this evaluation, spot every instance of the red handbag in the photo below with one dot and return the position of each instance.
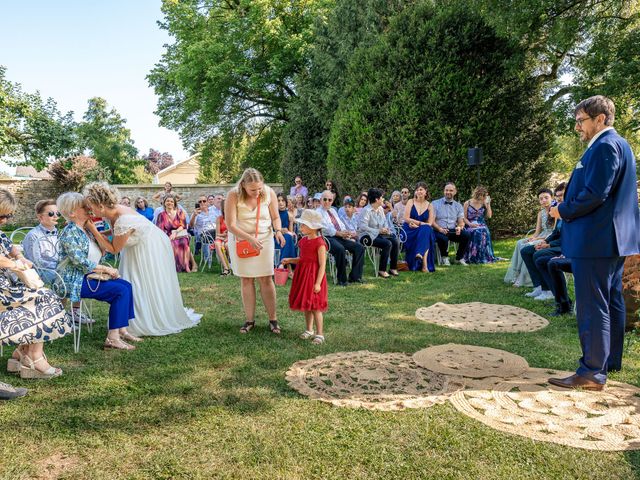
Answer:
(244, 249)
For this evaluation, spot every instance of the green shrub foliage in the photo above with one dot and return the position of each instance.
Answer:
(435, 83)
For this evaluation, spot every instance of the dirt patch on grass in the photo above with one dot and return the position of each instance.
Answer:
(54, 466)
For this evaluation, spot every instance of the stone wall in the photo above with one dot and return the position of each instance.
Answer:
(28, 192)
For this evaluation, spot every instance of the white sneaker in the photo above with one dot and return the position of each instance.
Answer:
(536, 291)
(545, 295)
(445, 261)
(463, 262)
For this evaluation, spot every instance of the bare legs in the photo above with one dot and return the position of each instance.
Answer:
(267, 293)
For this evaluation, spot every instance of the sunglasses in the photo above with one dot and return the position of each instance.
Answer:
(327, 199)
(54, 214)
(7, 216)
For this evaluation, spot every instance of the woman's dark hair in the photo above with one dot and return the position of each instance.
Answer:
(360, 197)
(222, 208)
(334, 190)
(545, 190)
(42, 204)
(282, 196)
(560, 187)
(374, 194)
(424, 185)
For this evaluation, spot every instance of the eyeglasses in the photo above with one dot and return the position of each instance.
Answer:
(327, 199)
(405, 192)
(580, 121)
(7, 216)
(51, 214)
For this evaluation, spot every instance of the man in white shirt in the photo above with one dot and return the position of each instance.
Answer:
(341, 241)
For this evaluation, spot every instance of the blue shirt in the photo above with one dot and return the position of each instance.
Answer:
(447, 213)
(41, 247)
(147, 212)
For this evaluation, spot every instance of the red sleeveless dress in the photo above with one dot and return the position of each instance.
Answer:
(301, 295)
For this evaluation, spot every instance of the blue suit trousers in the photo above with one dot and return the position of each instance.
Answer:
(117, 293)
(600, 315)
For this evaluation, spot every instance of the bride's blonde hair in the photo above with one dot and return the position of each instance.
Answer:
(250, 175)
(101, 193)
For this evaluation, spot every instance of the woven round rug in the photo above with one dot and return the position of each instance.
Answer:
(470, 361)
(529, 407)
(482, 317)
(375, 381)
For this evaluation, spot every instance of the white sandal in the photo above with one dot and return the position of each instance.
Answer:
(29, 371)
(318, 339)
(306, 335)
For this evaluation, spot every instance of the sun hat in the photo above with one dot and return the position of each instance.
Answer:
(318, 196)
(311, 218)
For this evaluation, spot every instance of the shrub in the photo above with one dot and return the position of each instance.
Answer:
(73, 173)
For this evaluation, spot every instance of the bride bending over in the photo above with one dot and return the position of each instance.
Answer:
(146, 261)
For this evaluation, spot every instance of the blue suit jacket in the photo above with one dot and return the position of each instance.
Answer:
(600, 208)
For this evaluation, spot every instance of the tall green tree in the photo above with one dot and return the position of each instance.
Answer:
(232, 65)
(104, 135)
(32, 130)
(438, 81)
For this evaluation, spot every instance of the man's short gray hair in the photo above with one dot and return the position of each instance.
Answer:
(68, 202)
(596, 105)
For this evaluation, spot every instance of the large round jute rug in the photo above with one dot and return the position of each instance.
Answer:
(482, 317)
(529, 407)
(470, 361)
(371, 380)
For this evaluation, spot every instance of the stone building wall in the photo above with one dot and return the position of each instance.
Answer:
(28, 192)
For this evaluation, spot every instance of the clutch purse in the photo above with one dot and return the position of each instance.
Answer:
(30, 278)
(182, 234)
(243, 248)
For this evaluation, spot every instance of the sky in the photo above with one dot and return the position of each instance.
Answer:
(72, 50)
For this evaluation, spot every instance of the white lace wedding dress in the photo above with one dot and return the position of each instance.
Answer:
(147, 263)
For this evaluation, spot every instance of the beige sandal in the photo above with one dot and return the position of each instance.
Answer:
(13, 364)
(130, 338)
(29, 370)
(117, 345)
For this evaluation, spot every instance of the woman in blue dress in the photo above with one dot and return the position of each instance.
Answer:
(418, 227)
(476, 211)
(289, 249)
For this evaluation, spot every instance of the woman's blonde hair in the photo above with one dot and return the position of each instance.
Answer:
(146, 204)
(250, 175)
(101, 193)
(7, 201)
(479, 192)
(68, 202)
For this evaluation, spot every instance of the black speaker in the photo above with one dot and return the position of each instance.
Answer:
(474, 156)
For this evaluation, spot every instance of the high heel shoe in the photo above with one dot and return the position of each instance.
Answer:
(13, 364)
(117, 344)
(28, 369)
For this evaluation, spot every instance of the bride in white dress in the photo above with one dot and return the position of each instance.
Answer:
(146, 261)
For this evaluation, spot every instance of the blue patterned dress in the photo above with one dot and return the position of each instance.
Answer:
(28, 316)
(480, 249)
(419, 240)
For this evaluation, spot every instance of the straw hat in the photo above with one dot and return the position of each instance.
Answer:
(311, 218)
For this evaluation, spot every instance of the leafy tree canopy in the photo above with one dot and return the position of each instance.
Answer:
(156, 161)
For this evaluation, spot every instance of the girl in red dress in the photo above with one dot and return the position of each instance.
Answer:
(309, 287)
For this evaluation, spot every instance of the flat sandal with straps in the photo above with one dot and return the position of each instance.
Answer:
(247, 327)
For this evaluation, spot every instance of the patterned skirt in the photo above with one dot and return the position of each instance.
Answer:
(29, 316)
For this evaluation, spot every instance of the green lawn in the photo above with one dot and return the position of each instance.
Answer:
(210, 403)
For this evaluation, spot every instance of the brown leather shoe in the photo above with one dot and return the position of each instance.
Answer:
(576, 381)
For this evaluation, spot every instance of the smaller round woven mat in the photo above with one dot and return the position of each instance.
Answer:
(375, 381)
(529, 407)
(482, 317)
(470, 361)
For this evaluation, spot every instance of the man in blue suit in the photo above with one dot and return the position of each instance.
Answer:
(600, 227)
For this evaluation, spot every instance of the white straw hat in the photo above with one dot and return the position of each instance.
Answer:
(311, 218)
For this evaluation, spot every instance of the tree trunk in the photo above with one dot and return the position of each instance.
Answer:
(631, 290)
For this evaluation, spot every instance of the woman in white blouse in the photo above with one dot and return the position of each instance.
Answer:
(373, 230)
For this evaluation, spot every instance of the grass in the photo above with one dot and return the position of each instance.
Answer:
(210, 403)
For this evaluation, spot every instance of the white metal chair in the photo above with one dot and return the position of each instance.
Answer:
(207, 248)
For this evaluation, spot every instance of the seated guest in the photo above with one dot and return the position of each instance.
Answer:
(449, 225)
(310, 202)
(476, 210)
(373, 230)
(173, 222)
(40, 247)
(300, 205)
(221, 243)
(536, 257)
(28, 317)
(556, 268)
(398, 207)
(420, 240)
(317, 200)
(298, 188)
(143, 208)
(160, 196)
(517, 273)
(361, 202)
(347, 214)
(126, 201)
(286, 222)
(80, 256)
(340, 241)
